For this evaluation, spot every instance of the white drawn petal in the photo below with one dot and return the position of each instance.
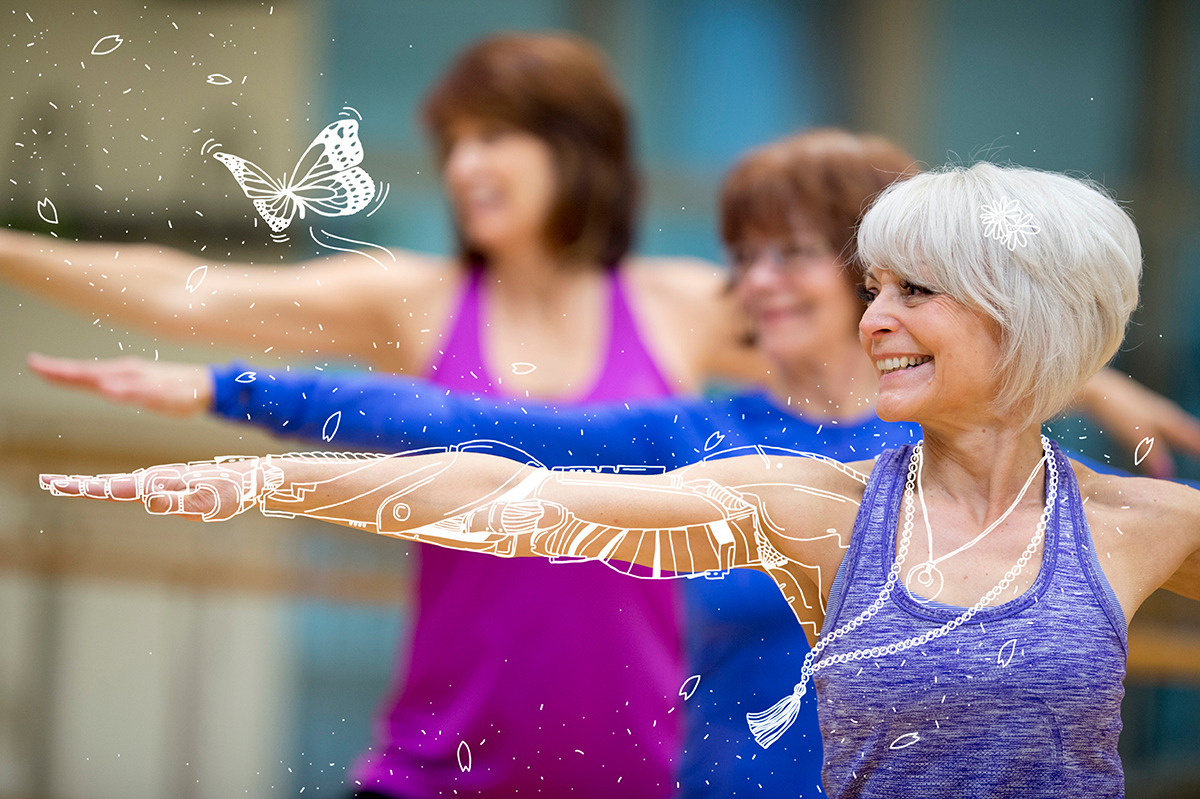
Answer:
(331, 426)
(107, 44)
(196, 278)
(47, 211)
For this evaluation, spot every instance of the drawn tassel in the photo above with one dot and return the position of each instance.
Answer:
(768, 725)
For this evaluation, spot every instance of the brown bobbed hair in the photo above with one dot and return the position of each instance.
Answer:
(558, 88)
(828, 176)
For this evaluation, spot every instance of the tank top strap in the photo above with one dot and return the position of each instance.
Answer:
(629, 371)
(460, 363)
(867, 561)
(1077, 558)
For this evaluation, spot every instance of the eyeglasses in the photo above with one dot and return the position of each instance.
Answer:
(790, 258)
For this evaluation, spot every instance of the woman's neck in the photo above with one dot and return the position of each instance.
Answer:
(982, 466)
(838, 384)
(531, 273)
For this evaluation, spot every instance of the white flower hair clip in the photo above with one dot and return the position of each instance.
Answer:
(1007, 223)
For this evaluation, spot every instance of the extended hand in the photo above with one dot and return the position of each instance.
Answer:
(174, 389)
(210, 491)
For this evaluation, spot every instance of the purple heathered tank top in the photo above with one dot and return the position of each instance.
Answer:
(1023, 700)
(562, 679)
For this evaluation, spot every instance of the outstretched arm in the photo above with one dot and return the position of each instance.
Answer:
(383, 412)
(742, 512)
(393, 414)
(340, 306)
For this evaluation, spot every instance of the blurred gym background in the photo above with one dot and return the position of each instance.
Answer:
(147, 658)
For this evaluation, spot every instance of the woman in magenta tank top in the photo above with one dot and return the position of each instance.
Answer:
(551, 674)
(563, 681)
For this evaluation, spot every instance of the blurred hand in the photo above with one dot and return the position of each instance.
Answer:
(1143, 421)
(211, 491)
(174, 389)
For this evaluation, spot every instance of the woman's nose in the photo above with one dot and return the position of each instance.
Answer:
(877, 319)
(463, 157)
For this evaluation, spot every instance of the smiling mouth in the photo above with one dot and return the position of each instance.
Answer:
(889, 365)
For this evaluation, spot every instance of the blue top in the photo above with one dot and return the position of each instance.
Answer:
(1021, 700)
(743, 640)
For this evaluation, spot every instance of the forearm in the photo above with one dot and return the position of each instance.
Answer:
(481, 503)
(382, 413)
(421, 497)
(394, 414)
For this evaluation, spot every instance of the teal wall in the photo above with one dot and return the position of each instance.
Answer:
(706, 80)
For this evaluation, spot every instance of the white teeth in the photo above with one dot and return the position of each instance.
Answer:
(886, 365)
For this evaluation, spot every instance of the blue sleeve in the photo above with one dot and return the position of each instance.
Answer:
(396, 414)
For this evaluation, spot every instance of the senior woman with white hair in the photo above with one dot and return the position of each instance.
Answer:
(981, 654)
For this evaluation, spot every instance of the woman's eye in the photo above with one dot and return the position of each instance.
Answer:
(490, 134)
(800, 252)
(741, 259)
(912, 289)
(865, 294)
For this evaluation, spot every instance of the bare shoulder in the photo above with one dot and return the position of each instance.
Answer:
(689, 320)
(391, 312)
(675, 281)
(1135, 497)
(1143, 530)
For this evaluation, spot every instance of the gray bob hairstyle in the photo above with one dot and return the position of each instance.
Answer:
(1061, 285)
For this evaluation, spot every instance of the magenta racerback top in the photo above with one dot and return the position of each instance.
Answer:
(562, 679)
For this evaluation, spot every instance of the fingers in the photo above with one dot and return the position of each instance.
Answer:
(118, 487)
(164, 492)
(64, 371)
(202, 501)
(115, 487)
(208, 491)
(116, 379)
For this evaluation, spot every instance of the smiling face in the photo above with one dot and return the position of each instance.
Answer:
(795, 292)
(935, 356)
(501, 182)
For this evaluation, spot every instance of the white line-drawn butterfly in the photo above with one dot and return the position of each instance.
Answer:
(327, 179)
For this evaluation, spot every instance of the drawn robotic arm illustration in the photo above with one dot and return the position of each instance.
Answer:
(666, 524)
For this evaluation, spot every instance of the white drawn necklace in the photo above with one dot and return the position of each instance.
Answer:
(924, 573)
(766, 726)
